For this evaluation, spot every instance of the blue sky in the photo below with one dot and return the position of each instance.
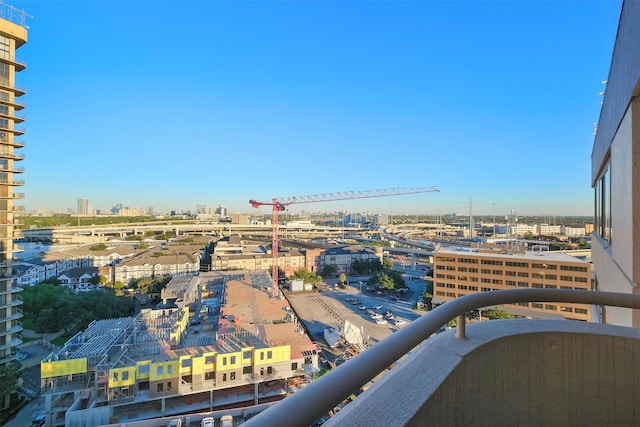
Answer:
(168, 104)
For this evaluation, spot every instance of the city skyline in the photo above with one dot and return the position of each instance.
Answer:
(493, 103)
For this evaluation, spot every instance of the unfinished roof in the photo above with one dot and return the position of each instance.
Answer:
(249, 307)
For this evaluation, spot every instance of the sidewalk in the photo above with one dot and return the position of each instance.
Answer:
(32, 335)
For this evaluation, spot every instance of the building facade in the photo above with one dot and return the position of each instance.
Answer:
(457, 273)
(13, 35)
(615, 173)
(83, 206)
(173, 361)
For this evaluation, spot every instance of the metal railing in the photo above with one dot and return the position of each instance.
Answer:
(312, 402)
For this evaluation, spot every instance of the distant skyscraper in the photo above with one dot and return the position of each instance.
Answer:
(222, 211)
(83, 206)
(13, 34)
(201, 208)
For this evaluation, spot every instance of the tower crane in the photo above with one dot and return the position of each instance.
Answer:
(280, 204)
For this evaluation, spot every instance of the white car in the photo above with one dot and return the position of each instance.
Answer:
(381, 321)
(207, 422)
(399, 322)
(376, 316)
(377, 307)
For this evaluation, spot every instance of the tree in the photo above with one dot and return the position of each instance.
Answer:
(98, 247)
(306, 275)
(151, 286)
(358, 267)
(497, 313)
(386, 281)
(343, 278)
(9, 376)
(328, 271)
(387, 263)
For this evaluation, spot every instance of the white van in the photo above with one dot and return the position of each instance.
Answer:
(226, 421)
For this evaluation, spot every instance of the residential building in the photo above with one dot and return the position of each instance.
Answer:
(180, 360)
(340, 258)
(615, 173)
(155, 264)
(79, 279)
(460, 272)
(13, 35)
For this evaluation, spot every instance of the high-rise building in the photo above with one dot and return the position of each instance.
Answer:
(222, 211)
(615, 173)
(83, 206)
(13, 35)
(201, 208)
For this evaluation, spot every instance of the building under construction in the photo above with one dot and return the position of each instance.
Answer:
(225, 342)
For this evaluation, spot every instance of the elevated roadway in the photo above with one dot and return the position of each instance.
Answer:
(101, 233)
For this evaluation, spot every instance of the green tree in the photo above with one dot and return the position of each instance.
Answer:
(328, 271)
(305, 275)
(9, 375)
(387, 263)
(343, 278)
(497, 313)
(358, 267)
(151, 286)
(143, 245)
(98, 247)
(46, 304)
(386, 281)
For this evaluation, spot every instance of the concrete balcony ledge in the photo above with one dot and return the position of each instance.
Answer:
(509, 372)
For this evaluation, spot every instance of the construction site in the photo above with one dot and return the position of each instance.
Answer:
(217, 340)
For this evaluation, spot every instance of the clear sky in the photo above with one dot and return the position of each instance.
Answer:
(168, 104)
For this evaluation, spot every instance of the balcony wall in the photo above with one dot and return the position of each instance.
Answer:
(509, 372)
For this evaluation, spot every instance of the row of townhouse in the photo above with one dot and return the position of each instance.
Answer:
(155, 265)
(126, 263)
(53, 264)
(121, 263)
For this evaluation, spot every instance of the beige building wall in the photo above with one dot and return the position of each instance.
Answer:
(13, 34)
(460, 273)
(615, 173)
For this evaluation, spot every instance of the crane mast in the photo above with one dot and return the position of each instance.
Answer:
(280, 204)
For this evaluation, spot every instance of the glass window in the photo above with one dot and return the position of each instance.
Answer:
(5, 46)
(603, 205)
(4, 74)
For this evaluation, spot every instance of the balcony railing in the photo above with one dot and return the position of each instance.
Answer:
(309, 404)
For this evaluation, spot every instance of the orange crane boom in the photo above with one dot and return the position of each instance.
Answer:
(280, 204)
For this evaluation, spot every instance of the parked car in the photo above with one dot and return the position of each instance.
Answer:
(38, 421)
(363, 307)
(399, 322)
(376, 316)
(381, 321)
(377, 307)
